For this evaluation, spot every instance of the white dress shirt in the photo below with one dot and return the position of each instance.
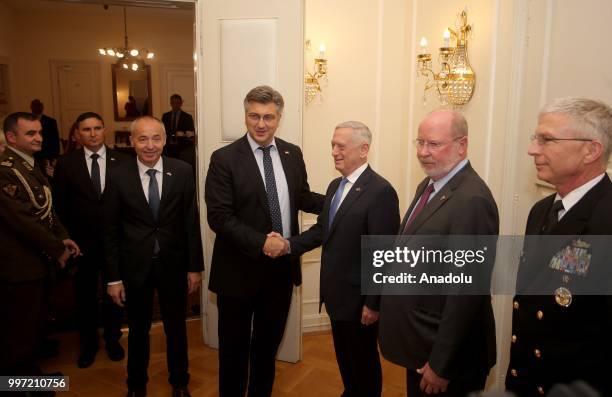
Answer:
(573, 197)
(281, 181)
(145, 179)
(350, 181)
(101, 163)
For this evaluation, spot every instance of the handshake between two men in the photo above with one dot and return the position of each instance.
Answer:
(275, 245)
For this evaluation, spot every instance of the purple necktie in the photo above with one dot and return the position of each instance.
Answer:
(420, 205)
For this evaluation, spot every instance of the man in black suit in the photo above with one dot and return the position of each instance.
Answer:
(176, 119)
(78, 186)
(254, 186)
(153, 242)
(560, 329)
(33, 241)
(446, 343)
(360, 203)
(50, 134)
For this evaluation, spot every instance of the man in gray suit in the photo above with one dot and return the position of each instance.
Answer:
(446, 343)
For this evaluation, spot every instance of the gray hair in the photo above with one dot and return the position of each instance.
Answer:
(589, 117)
(360, 130)
(150, 118)
(265, 94)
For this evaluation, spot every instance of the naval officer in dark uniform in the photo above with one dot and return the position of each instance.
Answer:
(560, 329)
(32, 239)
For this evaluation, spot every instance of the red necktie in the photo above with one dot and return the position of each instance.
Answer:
(420, 205)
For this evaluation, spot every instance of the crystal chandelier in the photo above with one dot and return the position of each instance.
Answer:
(312, 84)
(127, 57)
(456, 80)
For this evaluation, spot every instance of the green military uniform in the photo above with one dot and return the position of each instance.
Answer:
(31, 243)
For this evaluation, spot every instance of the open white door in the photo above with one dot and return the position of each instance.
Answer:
(242, 44)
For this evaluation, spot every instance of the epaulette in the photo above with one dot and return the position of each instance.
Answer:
(7, 163)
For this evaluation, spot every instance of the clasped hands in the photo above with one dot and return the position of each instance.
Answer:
(275, 245)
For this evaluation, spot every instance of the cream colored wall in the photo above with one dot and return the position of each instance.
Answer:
(7, 31)
(366, 47)
(76, 32)
(372, 47)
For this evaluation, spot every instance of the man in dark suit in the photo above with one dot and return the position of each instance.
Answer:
(560, 329)
(254, 186)
(33, 241)
(153, 242)
(78, 186)
(446, 343)
(50, 134)
(358, 204)
(176, 119)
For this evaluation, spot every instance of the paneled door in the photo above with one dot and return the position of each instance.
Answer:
(76, 89)
(242, 44)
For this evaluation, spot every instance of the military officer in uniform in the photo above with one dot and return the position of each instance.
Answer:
(558, 335)
(32, 240)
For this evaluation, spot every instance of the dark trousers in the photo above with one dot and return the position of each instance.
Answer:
(86, 283)
(356, 349)
(250, 332)
(172, 294)
(20, 311)
(456, 388)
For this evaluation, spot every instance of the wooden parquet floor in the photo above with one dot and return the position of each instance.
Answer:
(316, 375)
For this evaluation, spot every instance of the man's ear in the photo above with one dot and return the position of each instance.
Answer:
(594, 152)
(11, 137)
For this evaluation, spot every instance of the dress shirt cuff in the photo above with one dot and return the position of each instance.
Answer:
(114, 282)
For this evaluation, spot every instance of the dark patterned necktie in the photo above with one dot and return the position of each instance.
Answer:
(154, 201)
(553, 216)
(95, 174)
(271, 192)
(420, 205)
(335, 204)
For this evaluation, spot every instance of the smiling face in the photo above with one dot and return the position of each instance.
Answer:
(262, 120)
(27, 136)
(438, 150)
(90, 133)
(348, 150)
(148, 139)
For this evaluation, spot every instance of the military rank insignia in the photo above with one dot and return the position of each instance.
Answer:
(574, 259)
(10, 190)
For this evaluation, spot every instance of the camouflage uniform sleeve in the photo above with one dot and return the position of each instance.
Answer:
(18, 215)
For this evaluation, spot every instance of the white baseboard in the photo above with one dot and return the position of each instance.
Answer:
(315, 323)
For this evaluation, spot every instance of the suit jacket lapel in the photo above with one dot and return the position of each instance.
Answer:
(83, 173)
(136, 182)
(577, 218)
(440, 198)
(168, 183)
(252, 170)
(354, 193)
(286, 157)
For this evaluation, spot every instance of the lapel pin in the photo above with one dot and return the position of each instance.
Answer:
(286, 152)
(112, 159)
(442, 198)
(169, 173)
(357, 189)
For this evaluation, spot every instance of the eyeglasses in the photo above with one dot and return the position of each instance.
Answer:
(433, 145)
(255, 118)
(543, 140)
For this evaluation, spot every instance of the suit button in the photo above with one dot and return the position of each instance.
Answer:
(540, 390)
(515, 304)
(537, 353)
(513, 372)
(513, 338)
(540, 314)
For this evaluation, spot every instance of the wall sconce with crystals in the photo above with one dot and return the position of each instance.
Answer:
(312, 81)
(456, 79)
(128, 58)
